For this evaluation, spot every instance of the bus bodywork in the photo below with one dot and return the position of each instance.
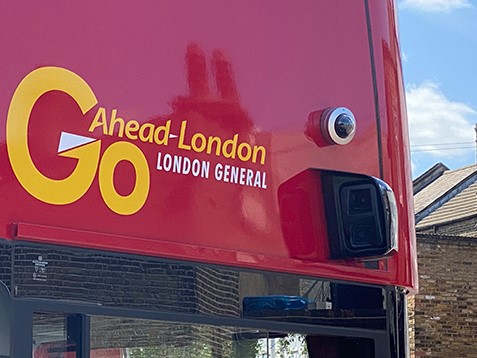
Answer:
(185, 138)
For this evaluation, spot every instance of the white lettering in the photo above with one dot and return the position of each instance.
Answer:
(183, 165)
(201, 168)
(240, 176)
(218, 172)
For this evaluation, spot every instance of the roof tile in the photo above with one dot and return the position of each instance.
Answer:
(441, 186)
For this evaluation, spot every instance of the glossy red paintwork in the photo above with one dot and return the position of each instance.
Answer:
(247, 68)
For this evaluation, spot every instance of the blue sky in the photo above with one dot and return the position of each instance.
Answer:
(439, 52)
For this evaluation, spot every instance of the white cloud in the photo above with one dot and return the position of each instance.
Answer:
(434, 120)
(404, 57)
(435, 5)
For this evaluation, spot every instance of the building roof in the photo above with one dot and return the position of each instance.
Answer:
(449, 197)
(428, 177)
(461, 206)
(446, 237)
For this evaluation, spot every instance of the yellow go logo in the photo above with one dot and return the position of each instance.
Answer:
(70, 189)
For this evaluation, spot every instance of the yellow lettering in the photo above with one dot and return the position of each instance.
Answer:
(164, 130)
(133, 202)
(132, 126)
(256, 150)
(99, 121)
(30, 89)
(218, 145)
(198, 148)
(248, 154)
(113, 122)
(149, 127)
(181, 144)
(230, 147)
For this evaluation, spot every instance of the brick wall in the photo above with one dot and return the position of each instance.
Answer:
(123, 281)
(446, 306)
(5, 263)
(63, 273)
(412, 324)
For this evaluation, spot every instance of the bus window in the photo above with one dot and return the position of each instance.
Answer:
(139, 338)
(53, 336)
(4, 321)
(338, 347)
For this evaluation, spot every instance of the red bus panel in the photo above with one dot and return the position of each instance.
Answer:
(166, 128)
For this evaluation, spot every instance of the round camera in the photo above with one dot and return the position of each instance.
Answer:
(338, 125)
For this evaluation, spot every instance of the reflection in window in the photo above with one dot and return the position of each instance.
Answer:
(158, 285)
(51, 338)
(136, 338)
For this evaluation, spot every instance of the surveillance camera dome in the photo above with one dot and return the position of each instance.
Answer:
(338, 125)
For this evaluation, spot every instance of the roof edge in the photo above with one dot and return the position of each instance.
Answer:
(443, 223)
(448, 195)
(452, 238)
(428, 177)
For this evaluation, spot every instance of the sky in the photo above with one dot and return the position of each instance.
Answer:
(439, 54)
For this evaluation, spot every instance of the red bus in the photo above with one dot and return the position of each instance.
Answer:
(210, 179)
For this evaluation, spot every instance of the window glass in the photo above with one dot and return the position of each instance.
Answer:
(51, 338)
(113, 337)
(138, 283)
(4, 321)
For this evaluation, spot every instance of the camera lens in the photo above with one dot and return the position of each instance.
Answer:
(344, 126)
(360, 201)
(363, 235)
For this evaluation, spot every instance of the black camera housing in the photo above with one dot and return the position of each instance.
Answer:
(361, 215)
